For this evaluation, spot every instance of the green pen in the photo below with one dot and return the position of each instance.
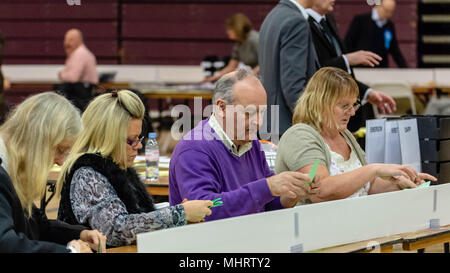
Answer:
(99, 247)
(312, 172)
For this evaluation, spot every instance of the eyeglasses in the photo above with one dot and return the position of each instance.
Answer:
(347, 107)
(134, 143)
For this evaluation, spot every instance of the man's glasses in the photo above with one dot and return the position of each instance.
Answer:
(134, 143)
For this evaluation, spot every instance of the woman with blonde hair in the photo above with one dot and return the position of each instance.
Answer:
(101, 189)
(320, 132)
(245, 50)
(39, 133)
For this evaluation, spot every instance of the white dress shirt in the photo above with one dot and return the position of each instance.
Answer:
(302, 9)
(380, 23)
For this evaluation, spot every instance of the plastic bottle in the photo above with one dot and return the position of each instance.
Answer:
(152, 158)
(270, 150)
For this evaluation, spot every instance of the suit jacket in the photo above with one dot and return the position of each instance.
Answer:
(327, 56)
(364, 34)
(287, 60)
(19, 233)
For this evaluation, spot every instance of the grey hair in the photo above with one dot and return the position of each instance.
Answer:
(224, 86)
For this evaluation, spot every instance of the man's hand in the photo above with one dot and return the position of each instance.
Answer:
(363, 57)
(290, 186)
(385, 103)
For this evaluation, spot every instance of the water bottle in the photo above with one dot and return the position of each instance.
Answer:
(151, 158)
(270, 150)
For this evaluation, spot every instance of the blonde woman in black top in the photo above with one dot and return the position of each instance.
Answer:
(39, 133)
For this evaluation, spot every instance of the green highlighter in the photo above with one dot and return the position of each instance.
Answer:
(312, 172)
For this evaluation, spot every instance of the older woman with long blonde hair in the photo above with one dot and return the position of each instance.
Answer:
(320, 132)
(39, 133)
(101, 189)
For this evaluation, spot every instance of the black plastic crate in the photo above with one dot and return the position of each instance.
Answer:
(440, 170)
(430, 168)
(434, 150)
(432, 127)
(444, 173)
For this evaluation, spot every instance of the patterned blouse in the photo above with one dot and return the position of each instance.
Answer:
(340, 166)
(95, 202)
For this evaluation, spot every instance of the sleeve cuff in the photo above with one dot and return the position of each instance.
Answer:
(179, 215)
(364, 100)
(261, 193)
(71, 248)
(347, 64)
(275, 204)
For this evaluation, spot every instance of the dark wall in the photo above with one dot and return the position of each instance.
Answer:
(153, 32)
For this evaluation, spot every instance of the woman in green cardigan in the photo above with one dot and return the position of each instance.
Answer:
(319, 131)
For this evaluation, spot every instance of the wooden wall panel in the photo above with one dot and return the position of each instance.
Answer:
(170, 52)
(156, 31)
(34, 29)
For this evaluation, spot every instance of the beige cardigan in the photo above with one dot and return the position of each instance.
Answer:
(302, 144)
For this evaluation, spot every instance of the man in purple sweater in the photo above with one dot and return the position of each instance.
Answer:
(221, 156)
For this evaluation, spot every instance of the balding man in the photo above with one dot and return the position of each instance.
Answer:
(222, 158)
(80, 62)
(374, 31)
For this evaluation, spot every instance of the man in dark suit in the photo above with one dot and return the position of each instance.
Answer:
(332, 52)
(375, 31)
(287, 60)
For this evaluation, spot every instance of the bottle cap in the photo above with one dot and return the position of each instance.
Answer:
(152, 135)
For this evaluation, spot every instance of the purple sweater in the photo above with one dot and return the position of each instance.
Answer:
(202, 168)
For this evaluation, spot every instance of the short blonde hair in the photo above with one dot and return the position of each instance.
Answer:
(321, 94)
(31, 134)
(105, 131)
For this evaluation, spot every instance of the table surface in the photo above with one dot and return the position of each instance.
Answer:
(410, 241)
(426, 237)
(385, 244)
(123, 249)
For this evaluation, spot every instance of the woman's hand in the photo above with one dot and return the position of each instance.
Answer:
(402, 182)
(386, 171)
(421, 177)
(94, 238)
(80, 246)
(197, 210)
(406, 183)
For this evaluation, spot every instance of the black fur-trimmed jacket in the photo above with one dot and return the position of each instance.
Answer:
(127, 185)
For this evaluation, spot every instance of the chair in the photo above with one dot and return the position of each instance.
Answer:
(397, 90)
(79, 93)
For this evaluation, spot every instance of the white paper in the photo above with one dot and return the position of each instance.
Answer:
(375, 140)
(409, 142)
(392, 150)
